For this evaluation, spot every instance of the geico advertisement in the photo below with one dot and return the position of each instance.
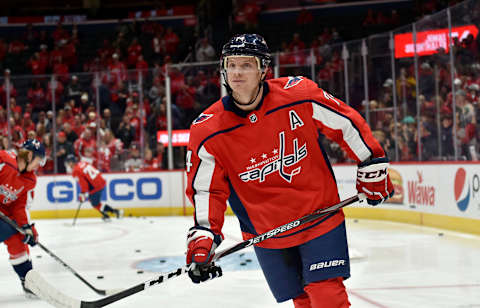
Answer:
(149, 189)
(445, 189)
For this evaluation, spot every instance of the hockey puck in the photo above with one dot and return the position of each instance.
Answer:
(241, 255)
(163, 261)
(138, 250)
(39, 256)
(355, 220)
(139, 272)
(248, 260)
(440, 234)
(243, 263)
(99, 277)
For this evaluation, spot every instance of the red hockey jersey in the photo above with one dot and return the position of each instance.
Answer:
(269, 164)
(88, 177)
(16, 189)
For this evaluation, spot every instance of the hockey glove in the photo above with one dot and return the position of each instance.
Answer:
(202, 273)
(374, 181)
(31, 235)
(83, 197)
(201, 245)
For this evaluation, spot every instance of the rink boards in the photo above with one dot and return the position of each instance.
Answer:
(438, 195)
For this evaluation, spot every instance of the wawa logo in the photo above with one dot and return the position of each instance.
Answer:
(419, 193)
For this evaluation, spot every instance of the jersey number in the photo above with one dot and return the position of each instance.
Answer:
(188, 161)
(91, 171)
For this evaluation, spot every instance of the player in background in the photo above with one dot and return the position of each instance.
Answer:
(17, 183)
(91, 184)
(258, 148)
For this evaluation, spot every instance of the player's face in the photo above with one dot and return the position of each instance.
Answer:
(35, 163)
(243, 75)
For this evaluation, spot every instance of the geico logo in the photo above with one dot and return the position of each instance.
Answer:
(116, 189)
(325, 264)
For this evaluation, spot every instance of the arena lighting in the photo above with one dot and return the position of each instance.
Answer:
(180, 137)
(428, 42)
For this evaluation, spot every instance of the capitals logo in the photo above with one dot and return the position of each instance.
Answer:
(462, 189)
(202, 118)
(293, 81)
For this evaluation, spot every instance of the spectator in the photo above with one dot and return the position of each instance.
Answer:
(134, 50)
(74, 90)
(86, 140)
(204, 51)
(446, 133)
(151, 163)
(37, 97)
(171, 42)
(69, 132)
(126, 132)
(134, 163)
(64, 148)
(117, 71)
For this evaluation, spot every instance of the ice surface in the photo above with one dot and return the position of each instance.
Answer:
(395, 265)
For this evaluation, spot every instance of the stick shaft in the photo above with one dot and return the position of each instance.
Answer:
(76, 213)
(259, 238)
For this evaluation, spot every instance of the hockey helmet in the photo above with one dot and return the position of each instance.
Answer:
(70, 158)
(36, 147)
(247, 45)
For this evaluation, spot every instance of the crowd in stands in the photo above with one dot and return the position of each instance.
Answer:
(106, 104)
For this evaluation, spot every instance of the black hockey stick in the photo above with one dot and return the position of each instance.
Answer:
(16, 227)
(47, 292)
(76, 213)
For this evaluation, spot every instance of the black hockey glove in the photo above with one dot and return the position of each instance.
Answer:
(201, 273)
(31, 235)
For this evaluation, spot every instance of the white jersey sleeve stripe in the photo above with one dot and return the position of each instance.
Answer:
(351, 135)
(201, 185)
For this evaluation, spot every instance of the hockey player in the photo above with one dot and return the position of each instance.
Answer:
(259, 149)
(91, 184)
(17, 183)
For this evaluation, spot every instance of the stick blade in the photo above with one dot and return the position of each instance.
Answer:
(38, 285)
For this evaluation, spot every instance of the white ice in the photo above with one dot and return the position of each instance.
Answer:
(393, 265)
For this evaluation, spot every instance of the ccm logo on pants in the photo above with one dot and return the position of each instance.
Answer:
(320, 265)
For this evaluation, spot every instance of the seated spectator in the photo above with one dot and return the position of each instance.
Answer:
(134, 162)
(151, 163)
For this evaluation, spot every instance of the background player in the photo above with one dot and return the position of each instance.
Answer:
(259, 149)
(91, 184)
(17, 183)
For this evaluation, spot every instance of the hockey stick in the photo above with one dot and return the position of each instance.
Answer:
(76, 214)
(16, 227)
(50, 294)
